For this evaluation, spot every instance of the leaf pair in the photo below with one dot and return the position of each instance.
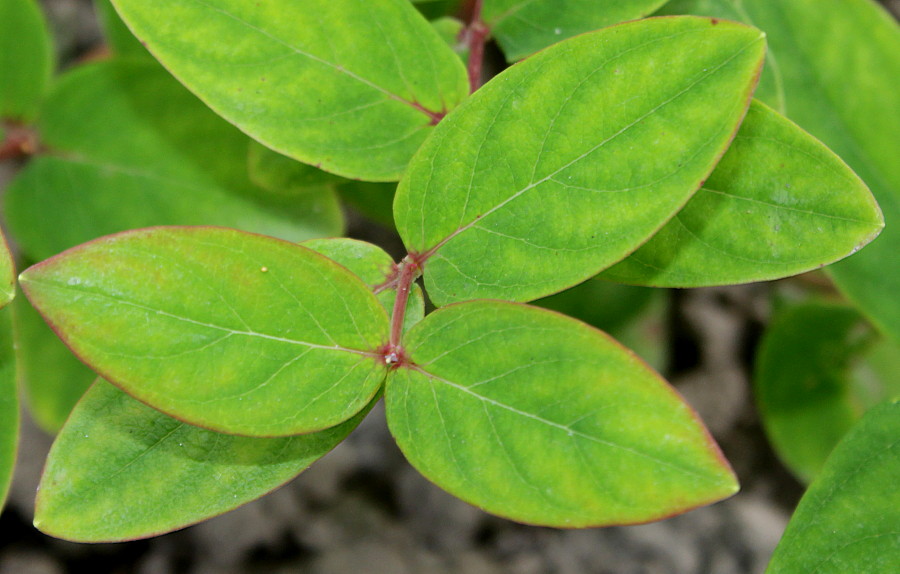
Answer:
(524, 412)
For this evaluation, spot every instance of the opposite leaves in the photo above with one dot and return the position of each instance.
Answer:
(567, 162)
(227, 330)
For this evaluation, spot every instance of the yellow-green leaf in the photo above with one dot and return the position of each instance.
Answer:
(227, 330)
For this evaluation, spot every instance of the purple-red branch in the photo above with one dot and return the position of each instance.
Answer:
(20, 142)
(409, 271)
(477, 34)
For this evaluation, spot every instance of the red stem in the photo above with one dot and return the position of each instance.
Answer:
(409, 271)
(477, 33)
(20, 142)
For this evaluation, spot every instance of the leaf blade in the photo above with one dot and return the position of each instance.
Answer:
(779, 203)
(517, 410)
(497, 218)
(847, 520)
(522, 27)
(368, 98)
(167, 474)
(26, 59)
(217, 327)
(838, 64)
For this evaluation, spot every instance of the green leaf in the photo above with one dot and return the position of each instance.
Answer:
(350, 85)
(230, 331)
(119, 38)
(376, 268)
(536, 417)
(565, 163)
(778, 204)
(522, 27)
(152, 154)
(120, 470)
(283, 176)
(451, 31)
(839, 63)
(51, 377)
(9, 404)
(802, 382)
(26, 59)
(847, 520)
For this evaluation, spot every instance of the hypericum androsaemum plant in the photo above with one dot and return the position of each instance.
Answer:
(237, 359)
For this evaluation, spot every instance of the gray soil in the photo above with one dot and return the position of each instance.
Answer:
(363, 509)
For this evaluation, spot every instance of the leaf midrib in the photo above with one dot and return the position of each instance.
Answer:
(563, 428)
(530, 186)
(431, 114)
(252, 334)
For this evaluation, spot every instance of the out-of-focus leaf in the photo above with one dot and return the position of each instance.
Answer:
(119, 38)
(151, 154)
(522, 27)
(26, 59)
(51, 377)
(847, 520)
(779, 203)
(803, 382)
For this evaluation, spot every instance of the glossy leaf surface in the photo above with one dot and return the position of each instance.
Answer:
(152, 154)
(52, 379)
(375, 267)
(839, 64)
(522, 27)
(349, 85)
(536, 417)
(567, 162)
(25, 59)
(121, 470)
(803, 382)
(778, 204)
(227, 330)
(847, 520)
